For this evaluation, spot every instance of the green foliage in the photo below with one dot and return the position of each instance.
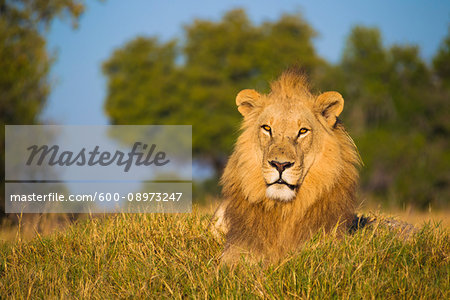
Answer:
(365, 70)
(24, 60)
(150, 67)
(441, 61)
(175, 256)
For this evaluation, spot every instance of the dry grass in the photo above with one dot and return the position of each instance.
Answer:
(27, 226)
(174, 256)
(410, 215)
(419, 218)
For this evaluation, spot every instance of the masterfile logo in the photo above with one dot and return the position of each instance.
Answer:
(53, 156)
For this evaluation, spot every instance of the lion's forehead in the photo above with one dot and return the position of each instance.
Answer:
(287, 117)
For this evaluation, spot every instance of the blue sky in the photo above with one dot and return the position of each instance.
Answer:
(79, 88)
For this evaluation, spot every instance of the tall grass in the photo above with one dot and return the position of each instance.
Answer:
(175, 256)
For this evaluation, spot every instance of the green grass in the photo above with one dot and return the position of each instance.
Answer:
(175, 256)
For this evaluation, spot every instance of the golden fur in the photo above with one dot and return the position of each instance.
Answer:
(317, 171)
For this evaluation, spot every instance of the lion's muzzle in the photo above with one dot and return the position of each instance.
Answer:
(279, 186)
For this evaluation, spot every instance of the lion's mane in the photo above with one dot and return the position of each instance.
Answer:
(325, 200)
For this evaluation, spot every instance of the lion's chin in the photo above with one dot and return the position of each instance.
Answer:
(280, 192)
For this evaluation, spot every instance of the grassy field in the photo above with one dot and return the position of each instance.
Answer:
(175, 256)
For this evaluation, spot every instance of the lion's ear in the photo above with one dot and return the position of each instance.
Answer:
(246, 100)
(330, 106)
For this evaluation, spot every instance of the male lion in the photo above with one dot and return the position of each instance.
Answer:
(293, 171)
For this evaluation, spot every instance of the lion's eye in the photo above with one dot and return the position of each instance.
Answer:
(302, 131)
(266, 128)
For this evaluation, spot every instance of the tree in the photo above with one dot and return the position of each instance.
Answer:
(365, 67)
(393, 107)
(195, 82)
(439, 115)
(441, 62)
(24, 61)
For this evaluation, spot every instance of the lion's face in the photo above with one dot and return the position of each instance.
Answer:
(289, 136)
(289, 139)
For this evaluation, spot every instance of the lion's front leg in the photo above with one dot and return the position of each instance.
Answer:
(219, 226)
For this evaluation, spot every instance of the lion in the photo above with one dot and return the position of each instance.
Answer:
(294, 171)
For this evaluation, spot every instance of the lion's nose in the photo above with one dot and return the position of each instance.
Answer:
(281, 166)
